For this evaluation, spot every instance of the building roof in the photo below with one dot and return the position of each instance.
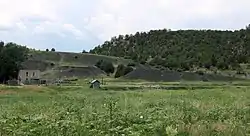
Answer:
(30, 70)
(93, 81)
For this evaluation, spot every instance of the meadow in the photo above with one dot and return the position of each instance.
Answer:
(221, 109)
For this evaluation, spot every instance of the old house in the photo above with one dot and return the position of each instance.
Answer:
(29, 76)
(95, 84)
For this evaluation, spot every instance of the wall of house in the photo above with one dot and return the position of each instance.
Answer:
(29, 74)
(96, 85)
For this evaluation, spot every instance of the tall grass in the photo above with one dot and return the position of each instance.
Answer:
(77, 111)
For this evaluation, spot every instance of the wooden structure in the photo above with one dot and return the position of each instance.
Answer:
(95, 84)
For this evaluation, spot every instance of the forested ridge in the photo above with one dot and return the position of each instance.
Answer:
(182, 49)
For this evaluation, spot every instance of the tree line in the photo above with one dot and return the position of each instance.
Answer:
(11, 57)
(182, 49)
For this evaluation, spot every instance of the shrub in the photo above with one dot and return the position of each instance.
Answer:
(143, 62)
(200, 72)
(122, 70)
(128, 70)
(106, 66)
(127, 57)
(98, 63)
(52, 64)
(240, 71)
(131, 64)
(84, 51)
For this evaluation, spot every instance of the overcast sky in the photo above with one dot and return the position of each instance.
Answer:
(74, 25)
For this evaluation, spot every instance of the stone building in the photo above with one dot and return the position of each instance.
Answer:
(29, 76)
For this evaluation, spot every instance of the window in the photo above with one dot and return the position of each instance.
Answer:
(34, 74)
(27, 73)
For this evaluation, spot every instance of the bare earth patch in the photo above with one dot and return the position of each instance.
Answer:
(34, 88)
(219, 127)
(3, 92)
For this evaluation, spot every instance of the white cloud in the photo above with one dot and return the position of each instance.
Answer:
(127, 16)
(14, 10)
(71, 28)
(90, 21)
(21, 26)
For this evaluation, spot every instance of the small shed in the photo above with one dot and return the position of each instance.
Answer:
(95, 84)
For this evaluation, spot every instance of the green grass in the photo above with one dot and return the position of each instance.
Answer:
(35, 111)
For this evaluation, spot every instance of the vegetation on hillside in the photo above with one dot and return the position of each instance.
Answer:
(11, 58)
(53, 49)
(106, 66)
(183, 49)
(123, 70)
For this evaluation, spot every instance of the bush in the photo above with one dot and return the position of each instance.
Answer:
(143, 62)
(131, 64)
(127, 57)
(128, 70)
(122, 70)
(52, 64)
(200, 73)
(98, 63)
(240, 72)
(106, 66)
(84, 51)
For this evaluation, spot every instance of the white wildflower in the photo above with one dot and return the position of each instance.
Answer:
(170, 131)
(141, 117)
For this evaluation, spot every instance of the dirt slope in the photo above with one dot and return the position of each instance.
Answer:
(151, 74)
(64, 64)
(67, 71)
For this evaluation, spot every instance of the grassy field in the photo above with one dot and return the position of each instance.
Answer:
(78, 110)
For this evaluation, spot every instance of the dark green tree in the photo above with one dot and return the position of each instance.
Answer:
(106, 66)
(1, 44)
(11, 58)
(84, 51)
(120, 71)
(128, 69)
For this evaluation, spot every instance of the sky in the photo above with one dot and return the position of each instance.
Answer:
(76, 25)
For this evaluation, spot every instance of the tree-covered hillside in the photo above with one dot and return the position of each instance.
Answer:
(183, 49)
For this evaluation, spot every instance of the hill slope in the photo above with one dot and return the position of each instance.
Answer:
(183, 49)
(151, 74)
(64, 64)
